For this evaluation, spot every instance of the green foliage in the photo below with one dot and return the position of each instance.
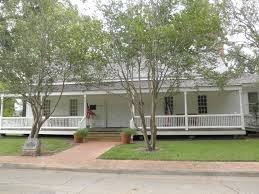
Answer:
(1, 87)
(83, 132)
(241, 19)
(163, 42)
(9, 107)
(8, 104)
(48, 42)
(156, 32)
(129, 131)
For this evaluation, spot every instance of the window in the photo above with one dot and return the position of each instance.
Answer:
(253, 102)
(46, 108)
(73, 107)
(24, 107)
(202, 104)
(93, 107)
(169, 104)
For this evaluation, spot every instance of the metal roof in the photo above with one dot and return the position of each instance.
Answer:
(246, 79)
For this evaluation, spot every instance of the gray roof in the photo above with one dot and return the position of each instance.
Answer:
(246, 79)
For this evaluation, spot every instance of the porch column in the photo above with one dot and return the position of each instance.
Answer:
(85, 105)
(42, 111)
(84, 111)
(185, 111)
(241, 109)
(133, 107)
(1, 110)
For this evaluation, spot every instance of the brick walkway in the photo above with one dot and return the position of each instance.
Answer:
(85, 156)
(76, 157)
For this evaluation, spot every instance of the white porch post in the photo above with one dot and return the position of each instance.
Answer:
(2, 110)
(85, 109)
(84, 105)
(241, 109)
(133, 109)
(185, 111)
(42, 111)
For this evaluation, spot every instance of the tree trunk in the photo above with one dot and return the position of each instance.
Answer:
(32, 146)
(144, 131)
(153, 128)
(33, 130)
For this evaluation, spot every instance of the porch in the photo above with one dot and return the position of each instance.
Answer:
(216, 113)
(70, 115)
(193, 112)
(53, 126)
(213, 124)
(226, 124)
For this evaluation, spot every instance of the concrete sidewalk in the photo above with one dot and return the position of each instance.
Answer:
(83, 157)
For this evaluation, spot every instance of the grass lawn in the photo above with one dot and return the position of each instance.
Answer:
(10, 146)
(192, 150)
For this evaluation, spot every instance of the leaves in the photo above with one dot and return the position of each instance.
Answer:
(162, 42)
(46, 42)
(241, 24)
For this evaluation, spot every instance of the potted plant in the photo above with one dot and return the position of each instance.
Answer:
(126, 135)
(80, 135)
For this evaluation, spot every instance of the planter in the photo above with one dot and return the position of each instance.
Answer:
(125, 138)
(80, 135)
(78, 139)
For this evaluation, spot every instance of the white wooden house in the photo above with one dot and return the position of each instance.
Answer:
(198, 108)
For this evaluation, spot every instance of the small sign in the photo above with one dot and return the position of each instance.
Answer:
(31, 144)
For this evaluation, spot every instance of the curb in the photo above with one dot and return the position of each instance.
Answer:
(140, 172)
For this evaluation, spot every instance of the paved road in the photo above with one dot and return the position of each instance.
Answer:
(52, 182)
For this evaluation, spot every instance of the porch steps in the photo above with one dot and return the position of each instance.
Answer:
(103, 136)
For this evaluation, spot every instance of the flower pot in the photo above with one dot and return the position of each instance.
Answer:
(125, 138)
(78, 139)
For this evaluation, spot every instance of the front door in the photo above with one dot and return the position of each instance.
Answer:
(118, 114)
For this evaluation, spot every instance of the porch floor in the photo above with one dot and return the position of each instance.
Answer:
(196, 131)
(201, 131)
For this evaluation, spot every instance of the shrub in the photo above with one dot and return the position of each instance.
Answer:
(83, 132)
(129, 131)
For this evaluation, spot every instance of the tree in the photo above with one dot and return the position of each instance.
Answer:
(242, 27)
(162, 41)
(48, 43)
(8, 104)
(9, 107)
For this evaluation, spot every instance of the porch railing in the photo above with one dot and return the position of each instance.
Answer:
(62, 122)
(16, 122)
(215, 121)
(163, 121)
(51, 123)
(252, 121)
(194, 121)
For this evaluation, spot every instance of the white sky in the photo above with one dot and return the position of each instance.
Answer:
(87, 8)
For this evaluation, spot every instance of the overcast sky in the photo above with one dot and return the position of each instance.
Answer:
(88, 8)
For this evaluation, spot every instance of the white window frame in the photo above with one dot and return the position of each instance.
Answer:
(73, 107)
(46, 107)
(169, 105)
(252, 104)
(202, 104)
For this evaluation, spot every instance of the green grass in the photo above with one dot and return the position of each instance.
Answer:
(189, 150)
(10, 146)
